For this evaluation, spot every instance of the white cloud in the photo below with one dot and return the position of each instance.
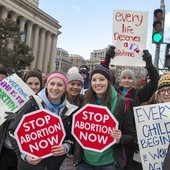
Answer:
(76, 9)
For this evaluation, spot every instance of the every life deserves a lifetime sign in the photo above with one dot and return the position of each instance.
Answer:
(92, 125)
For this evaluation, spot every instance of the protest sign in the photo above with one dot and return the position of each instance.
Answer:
(92, 125)
(14, 93)
(153, 132)
(38, 131)
(129, 37)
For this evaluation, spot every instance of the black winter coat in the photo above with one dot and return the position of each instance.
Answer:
(3, 133)
(136, 97)
(125, 125)
(31, 106)
(166, 165)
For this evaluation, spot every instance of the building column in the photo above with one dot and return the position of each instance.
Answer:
(4, 12)
(13, 16)
(35, 46)
(47, 53)
(22, 27)
(29, 33)
(21, 23)
(53, 54)
(42, 49)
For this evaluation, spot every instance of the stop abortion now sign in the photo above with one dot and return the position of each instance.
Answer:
(38, 131)
(92, 125)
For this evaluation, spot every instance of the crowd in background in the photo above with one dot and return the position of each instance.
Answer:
(64, 93)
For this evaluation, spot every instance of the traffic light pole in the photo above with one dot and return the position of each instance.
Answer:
(157, 49)
(157, 52)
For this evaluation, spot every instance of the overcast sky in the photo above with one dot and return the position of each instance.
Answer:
(87, 24)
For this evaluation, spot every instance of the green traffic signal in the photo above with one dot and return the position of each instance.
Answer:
(158, 26)
(157, 37)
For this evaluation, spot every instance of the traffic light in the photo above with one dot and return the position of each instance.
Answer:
(167, 56)
(158, 26)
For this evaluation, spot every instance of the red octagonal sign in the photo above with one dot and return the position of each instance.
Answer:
(38, 131)
(92, 125)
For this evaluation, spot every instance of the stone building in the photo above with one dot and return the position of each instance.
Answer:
(40, 31)
(63, 61)
(96, 57)
(77, 60)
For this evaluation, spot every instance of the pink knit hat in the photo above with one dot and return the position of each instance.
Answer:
(58, 75)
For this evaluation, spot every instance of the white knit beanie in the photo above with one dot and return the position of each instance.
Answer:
(75, 77)
(73, 70)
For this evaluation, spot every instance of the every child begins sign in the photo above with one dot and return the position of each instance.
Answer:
(153, 131)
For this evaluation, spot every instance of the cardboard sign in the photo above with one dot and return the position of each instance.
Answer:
(153, 131)
(129, 37)
(38, 131)
(14, 93)
(92, 125)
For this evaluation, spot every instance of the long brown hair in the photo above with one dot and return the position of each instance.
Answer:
(90, 97)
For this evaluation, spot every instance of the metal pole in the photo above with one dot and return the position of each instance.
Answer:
(157, 49)
(157, 52)
(162, 6)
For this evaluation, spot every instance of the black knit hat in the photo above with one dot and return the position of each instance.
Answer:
(102, 70)
(84, 69)
(3, 71)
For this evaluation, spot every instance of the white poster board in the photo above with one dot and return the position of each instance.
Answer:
(129, 37)
(14, 93)
(153, 131)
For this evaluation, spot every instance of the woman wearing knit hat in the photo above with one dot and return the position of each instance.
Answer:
(53, 99)
(135, 97)
(163, 92)
(75, 84)
(33, 79)
(8, 158)
(162, 95)
(101, 92)
(84, 70)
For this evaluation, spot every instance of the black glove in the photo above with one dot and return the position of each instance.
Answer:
(10, 116)
(110, 53)
(135, 147)
(147, 58)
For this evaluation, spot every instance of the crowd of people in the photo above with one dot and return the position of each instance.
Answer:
(65, 93)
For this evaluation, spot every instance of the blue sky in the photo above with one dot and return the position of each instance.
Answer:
(87, 24)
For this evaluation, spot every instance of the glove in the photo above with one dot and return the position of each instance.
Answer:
(110, 53)
(135, 147)
(147, 58)
(10, 116)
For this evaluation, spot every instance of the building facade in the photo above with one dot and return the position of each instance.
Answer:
(96, 57)
(63, 61)
(77, 60)
(40, 31)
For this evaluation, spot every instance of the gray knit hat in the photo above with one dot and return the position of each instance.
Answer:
(127, 73)
(75, 76)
